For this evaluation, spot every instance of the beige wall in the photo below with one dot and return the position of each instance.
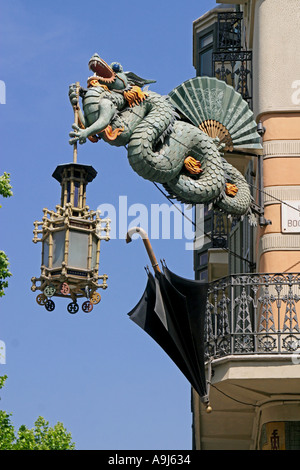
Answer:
(282, 126)
(276, 64)
(274, 33)
(278, 252)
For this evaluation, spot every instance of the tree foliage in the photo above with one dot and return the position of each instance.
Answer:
(40, 437)
(4, 272)
(2, 380)
(5, 186)
(5, 191)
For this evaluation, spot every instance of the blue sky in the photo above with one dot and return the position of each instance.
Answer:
(99, 374)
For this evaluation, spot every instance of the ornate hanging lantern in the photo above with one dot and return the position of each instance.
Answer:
(70, 238)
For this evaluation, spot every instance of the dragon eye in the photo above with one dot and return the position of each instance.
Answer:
(116, 67)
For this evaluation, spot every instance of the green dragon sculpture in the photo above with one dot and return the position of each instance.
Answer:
(176, 140)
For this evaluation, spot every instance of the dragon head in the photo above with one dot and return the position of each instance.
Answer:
(110, 75)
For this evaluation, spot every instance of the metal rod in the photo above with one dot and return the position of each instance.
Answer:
(76, 120)
(147, 244)
(260, 164)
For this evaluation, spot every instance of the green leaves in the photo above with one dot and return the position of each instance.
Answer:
(4, 272)
(43, 437)
(7, 431)
(5, 186)
(5, 191)
(40, 437)
(2, 380)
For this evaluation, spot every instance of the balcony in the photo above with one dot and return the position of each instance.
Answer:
(231, 62)
(252, 348)
(253, 314)
(229, 36)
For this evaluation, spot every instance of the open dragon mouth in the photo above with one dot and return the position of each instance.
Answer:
(101, 69)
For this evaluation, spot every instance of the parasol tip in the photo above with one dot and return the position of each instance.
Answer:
(208, 408)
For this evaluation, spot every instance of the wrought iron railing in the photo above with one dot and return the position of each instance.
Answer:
(235, 68)
(253, 314)
(229, 37)
(219, 230)
(231, 61)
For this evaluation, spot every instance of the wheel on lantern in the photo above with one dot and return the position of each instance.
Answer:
(41, 299)
(87, 306)
(50, 305)
(50, 290)
(73, 307)
(95, 298)
(64, 288)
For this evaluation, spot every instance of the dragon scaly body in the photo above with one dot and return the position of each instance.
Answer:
(161, 146)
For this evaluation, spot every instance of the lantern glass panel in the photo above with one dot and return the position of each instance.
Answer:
(45, 256)
(76, 193)
(78, 249)
(58, 248)
(68, 191)
(94, 252)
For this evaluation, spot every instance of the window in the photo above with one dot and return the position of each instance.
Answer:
(206, 45)
(203, 258)
(205, 54)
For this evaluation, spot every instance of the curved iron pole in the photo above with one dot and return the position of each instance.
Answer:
(147, 244)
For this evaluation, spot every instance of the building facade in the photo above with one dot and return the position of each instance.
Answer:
(253, 309)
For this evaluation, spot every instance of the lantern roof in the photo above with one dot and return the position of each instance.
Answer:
(91, 173)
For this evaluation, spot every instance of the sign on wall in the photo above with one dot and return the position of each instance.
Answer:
(280, 435)
(290, 217)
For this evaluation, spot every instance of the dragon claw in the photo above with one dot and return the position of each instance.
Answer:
(78, 136)
(193, 166)
(72, 95)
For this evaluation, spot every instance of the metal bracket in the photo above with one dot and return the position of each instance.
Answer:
(260, 208)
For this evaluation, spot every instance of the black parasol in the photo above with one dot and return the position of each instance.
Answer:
(172, 311)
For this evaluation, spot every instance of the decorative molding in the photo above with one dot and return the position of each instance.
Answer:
(281, 148)
(275, 194)
(278, 242)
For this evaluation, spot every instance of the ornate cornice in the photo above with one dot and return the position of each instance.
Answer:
(276, 194)
(278, 242)
(281, 148)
